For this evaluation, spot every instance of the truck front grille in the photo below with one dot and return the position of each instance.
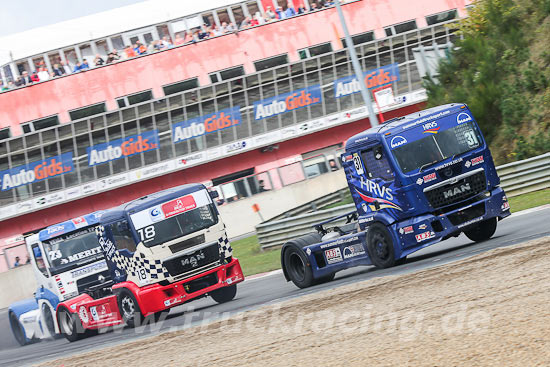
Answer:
(463, 189)
(190, 262)
(92, 281)
(183, 245)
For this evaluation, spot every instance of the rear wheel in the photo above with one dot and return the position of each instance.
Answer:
(483, 231)
(129, 308)
(295, 262)
(225, 294)
(17, 329)
(70, 325)
(380, 246)
(326, 278)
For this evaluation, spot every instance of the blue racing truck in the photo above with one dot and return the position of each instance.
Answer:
(415, 180)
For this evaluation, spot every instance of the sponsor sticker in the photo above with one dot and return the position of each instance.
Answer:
(470, 222)
(358, 164)
(428, 178)
(505, 206)
(431, 128)
(422, 226)
(424, 236)
(178, 206)
(333, 255)
(353, 251)
(406, 230)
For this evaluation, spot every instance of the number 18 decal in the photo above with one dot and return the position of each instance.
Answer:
(147, 234)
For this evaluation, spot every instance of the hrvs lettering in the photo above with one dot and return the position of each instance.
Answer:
(287, 102)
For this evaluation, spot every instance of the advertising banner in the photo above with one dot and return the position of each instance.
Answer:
(36, 171)
(373, 79)
(287, 102)
(120, 148)
(206, 124)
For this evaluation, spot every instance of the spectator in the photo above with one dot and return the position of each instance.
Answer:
(11, 85)
(216, 31)
(246, 23)
(3, 87)
(260, 19)
(28, 261)
(34, 77)
(270, 13)
(57, 70)
(204, 33)
(333, 166)
(289, 12)
(66, 68)
(129, 52)
(232, 27)
(166, 42)
(84, 65)
(152, 47)
(98, 61)
(190, 37)
(301, 9)
(328, 3)
(313, 6)
(280, 13)
(25, 78)
(16, 263)
(43, 74)
(77, 67)
(19, 82)
(178, 40)
(261, 186)
(113, 56)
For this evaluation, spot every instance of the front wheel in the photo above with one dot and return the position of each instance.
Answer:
(17, 330)
(225, 294)
(129, 308)
(483, 231)
(380, 246)
(48, 320)
(69, 325)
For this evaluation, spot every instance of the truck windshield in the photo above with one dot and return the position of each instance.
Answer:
(72, 250)
(178, 226)
(435, 148)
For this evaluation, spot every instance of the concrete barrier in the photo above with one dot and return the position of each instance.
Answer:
(16, 284)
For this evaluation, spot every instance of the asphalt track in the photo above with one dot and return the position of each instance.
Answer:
(273, 289)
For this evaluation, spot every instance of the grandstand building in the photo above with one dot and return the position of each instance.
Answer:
(231, 110)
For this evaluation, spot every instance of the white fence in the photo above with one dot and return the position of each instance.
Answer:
(515, 178)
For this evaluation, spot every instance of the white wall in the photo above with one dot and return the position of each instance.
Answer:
(239, 218)
(16, 284)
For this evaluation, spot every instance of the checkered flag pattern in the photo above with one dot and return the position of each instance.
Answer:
(225, 246)
(132, 265)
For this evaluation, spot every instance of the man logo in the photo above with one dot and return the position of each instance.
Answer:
(456, 191)
(397, 141)
(463, 117)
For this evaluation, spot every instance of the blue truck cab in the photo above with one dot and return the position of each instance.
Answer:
(415, 180)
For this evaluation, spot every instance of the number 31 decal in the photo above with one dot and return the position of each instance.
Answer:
(147, 233)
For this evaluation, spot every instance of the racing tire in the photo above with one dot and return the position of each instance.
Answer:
(380, 246)
(326, 279)
(129, 308)
(70, 325)
(48, 320)
(295, 262)
(224, 294)
(401, 261)
(483, 231)
(17, 330)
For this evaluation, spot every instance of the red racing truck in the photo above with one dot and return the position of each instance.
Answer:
(162, 250)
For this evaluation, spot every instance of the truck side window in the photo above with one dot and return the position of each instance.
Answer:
(39, 259)
(376, 164)
(122, 236)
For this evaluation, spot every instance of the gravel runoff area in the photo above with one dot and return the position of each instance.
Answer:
(491, 309)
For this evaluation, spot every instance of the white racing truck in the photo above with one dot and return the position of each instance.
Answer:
(67, 260)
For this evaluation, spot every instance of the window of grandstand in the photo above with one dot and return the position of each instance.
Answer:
(5, 133)
(401, 28)
(134, 98)
(238, 14)
(83, 112)
(441, 17)
(315, 50)
(360, 38)
(36, 125)
(180, 86)
(226, 74)
(271, 62)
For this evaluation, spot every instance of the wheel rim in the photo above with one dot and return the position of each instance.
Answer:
(381, 246)
(67, 322)
(297, 266)
(128, 307)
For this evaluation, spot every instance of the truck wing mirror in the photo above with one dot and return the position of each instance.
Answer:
(213, 194)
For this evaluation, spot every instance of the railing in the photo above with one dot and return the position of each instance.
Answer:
(516, 178)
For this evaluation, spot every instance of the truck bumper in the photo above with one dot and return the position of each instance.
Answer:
(425, 230)
(103, 312)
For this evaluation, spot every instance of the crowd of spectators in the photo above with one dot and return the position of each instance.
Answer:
(41, 73)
